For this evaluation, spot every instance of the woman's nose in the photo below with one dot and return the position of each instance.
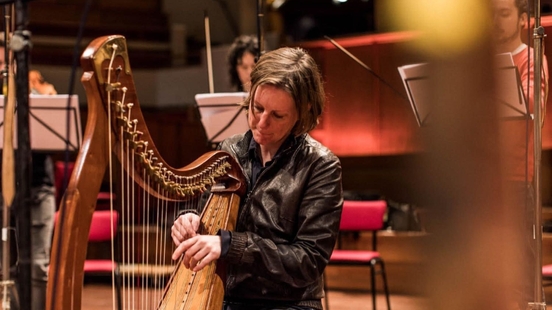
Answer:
(264, 120)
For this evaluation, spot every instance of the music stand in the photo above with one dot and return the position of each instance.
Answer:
(508, 92)
(48, 123)
(222, 114)
(415, 79)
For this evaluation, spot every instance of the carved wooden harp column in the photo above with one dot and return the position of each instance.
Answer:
(148, 190)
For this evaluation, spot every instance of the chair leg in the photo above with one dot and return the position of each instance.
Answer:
(373, 271)
(326, 301)
(118, 289)
(385, 288)
(373, 282)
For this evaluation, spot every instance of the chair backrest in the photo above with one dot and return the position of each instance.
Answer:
(100, 225)
(362, 215)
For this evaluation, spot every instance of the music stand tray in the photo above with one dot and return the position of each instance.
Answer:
(48, 115)
(508, 92)
(415, 79)
(222, 114)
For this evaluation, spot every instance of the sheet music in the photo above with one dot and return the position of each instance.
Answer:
(415, 79)
(48, 123)
(508, 90)
(217, 110)
(508, 87)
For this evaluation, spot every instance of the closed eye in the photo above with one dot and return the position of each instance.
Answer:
(278, 116)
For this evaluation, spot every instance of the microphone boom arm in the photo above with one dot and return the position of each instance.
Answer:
(341, 48)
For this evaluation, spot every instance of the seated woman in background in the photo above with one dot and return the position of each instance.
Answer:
(37, 84)
(241, 61)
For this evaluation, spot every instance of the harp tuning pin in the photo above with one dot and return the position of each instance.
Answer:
(112, 86)
(134, 123)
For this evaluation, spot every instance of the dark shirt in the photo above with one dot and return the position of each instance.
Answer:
(42, 169)
(254, 152)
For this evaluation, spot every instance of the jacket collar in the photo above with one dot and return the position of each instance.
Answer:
(243, 146)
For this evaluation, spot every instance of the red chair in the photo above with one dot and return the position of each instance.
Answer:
(59, 175)
(100, 231)
(362, 216)
(104, 198)
(547, 275)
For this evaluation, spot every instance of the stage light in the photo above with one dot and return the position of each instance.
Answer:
(277, 3)
(461, 25)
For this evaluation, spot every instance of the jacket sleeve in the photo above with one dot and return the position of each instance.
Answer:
(300, 261)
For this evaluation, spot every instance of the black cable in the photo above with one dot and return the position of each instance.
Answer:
(210, 142)
(76, 56)
(353, 57)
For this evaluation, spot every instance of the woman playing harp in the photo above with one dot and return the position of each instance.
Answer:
(149, 193)
(287, 226)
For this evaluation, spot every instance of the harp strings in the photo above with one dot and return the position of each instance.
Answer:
(186, 290)
(149, 196)
(110, 165)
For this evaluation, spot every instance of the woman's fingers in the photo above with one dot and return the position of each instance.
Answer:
(198, 252)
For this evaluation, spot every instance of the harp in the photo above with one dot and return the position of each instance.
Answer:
(116, 139)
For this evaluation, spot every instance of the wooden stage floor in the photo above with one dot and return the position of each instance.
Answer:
(98, 296)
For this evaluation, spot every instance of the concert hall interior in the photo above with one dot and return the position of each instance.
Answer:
(446, 214)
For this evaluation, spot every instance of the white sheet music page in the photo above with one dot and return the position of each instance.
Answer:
(415, 78)
(508, 89)
(49, 116)
(221, 110)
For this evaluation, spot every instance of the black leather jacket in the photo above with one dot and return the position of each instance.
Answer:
(287, 224)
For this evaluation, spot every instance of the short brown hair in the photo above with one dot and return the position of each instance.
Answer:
(296, 72)
(522, 7)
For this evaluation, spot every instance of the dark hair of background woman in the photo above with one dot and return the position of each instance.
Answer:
(242, 44)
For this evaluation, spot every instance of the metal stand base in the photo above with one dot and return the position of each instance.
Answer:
(536, 306)
(10, 298)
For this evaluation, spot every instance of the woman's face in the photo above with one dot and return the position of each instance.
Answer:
(244, 68)
(272, 116)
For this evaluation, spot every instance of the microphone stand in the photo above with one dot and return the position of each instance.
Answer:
(341, 48)
(260, 39)
(538, 55)
(260, 26)
(8, 179)
(20, 44)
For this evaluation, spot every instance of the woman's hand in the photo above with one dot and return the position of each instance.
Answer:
(198, 251)
(184, 228)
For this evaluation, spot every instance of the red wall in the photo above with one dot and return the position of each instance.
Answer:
(364, 116)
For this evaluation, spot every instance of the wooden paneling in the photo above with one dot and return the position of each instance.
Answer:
(365, 115)
(55, 25)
